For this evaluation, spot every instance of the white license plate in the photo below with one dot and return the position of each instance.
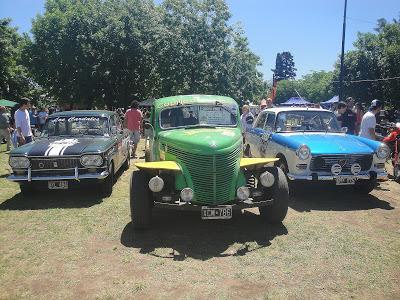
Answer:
(348, 180)
(58, 185)
(219, 212)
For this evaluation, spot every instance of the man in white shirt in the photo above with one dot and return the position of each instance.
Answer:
(368, 122)
(22, 123)
(42, 115)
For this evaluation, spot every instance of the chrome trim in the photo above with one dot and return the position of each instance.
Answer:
(380, 175)
(29, 175)
(76, 173)
(101, 175)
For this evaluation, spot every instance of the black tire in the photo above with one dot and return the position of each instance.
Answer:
(127, 162)
(365, 186)
(141, 200)
(26, 189)
(108, 183)
(276, 212)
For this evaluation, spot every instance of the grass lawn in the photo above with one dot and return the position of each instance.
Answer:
(333, 244)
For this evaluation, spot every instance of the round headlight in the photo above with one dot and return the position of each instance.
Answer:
(267, 179)
(243, 193)
(156, 184)
(303, 152)
(383, 152)
(19, 162)
(91, 160)
(187, 194)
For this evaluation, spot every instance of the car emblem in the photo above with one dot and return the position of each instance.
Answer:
(213, 144)
(342, 162)
(55, 165)
(41, 165)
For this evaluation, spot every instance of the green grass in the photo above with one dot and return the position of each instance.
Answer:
(76, 245)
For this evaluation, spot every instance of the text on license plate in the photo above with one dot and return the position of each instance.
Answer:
(340, 180)
(219, 212)
(58, 185)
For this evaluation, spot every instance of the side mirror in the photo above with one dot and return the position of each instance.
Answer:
(344, 129)
(249, 120)
(147, 125)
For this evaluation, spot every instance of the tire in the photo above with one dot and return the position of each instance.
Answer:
(26, 189)
(396, 174)
(365, 186)
(127, 162)
(141, 200)
(108, 183)
(276, 212)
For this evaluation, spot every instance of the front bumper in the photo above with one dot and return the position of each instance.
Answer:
(29, 177)
(315, 177)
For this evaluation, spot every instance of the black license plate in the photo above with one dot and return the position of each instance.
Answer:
(218, 212)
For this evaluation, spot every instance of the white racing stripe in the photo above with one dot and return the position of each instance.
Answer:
(57, 148)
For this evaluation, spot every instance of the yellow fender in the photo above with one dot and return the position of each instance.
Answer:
(159, 165)
(248, 162)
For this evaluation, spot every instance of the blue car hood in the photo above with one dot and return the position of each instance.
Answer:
(326, 143)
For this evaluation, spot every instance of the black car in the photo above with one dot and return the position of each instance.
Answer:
(75, 148)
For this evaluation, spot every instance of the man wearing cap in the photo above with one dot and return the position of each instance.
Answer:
(368, 122)
(5, 128)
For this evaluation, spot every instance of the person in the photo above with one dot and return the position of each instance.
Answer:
(247, 119)
(42, 116)
(191, 120)
(359, 111)
(22, 122)
(392, 137)
(5, 128)
(133, 120)
(346, 117)
(33, 116)
(368, 122)
(263, 104)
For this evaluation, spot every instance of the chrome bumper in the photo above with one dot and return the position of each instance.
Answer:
(76, 176)
(379, 176)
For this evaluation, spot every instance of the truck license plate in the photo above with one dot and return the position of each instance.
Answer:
(219, 212)
(348, 180)
(58, 185)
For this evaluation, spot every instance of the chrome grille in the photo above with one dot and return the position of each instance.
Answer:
(213, 176)
(323, 163)
(54, 163)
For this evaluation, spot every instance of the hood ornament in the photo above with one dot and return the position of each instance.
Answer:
(213, 144)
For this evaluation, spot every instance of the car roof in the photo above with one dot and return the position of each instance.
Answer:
(283, 108)
(191, 99)
(91, 113)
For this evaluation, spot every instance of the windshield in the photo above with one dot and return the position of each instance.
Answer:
(198, 115)
(73, 126)
(306, 121)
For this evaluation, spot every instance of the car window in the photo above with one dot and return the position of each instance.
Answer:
(261, 120)
(306, 121)
(79, 125)
(269, 124)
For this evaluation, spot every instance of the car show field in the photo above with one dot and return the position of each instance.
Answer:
(76, 244)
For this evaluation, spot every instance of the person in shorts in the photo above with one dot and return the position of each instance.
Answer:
(132, 121)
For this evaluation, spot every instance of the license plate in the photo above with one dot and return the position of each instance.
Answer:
(58, 185)
(348, 180)
(219, 212)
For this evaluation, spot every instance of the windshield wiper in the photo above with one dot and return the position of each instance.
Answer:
(200, 126)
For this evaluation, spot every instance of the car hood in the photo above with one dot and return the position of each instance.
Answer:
(64, 146)
(323, 143)
(202, 140)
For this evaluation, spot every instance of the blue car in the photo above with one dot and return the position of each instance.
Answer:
(312, 147)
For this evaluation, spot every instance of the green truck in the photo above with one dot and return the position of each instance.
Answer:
(194, 161)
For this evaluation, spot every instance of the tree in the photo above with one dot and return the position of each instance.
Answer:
(284, 66)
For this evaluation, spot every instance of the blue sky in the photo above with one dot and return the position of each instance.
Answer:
(309, 29)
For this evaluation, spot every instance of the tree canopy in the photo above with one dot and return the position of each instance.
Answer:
(284, 66)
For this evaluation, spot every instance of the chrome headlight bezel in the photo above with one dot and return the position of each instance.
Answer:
(19, 162)
(303, 152)
(91, 160)
(382, 152)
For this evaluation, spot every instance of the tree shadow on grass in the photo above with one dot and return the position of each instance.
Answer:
(186, 235)
(332, 198)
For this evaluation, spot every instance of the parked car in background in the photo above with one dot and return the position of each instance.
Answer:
(194, 162)
(312, 147)
(74, 149)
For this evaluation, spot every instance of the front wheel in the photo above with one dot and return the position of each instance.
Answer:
(276, 212)
(365, 186)
(26, 189)
(141, 200)
(127, 162)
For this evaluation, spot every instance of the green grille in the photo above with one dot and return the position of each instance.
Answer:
(213, 176)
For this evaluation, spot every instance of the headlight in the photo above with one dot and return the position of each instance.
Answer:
(187, 194)
(243, 193)
(303, 152)
(19, 162)
(382, 152)
(91, 160)
(156, 184)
